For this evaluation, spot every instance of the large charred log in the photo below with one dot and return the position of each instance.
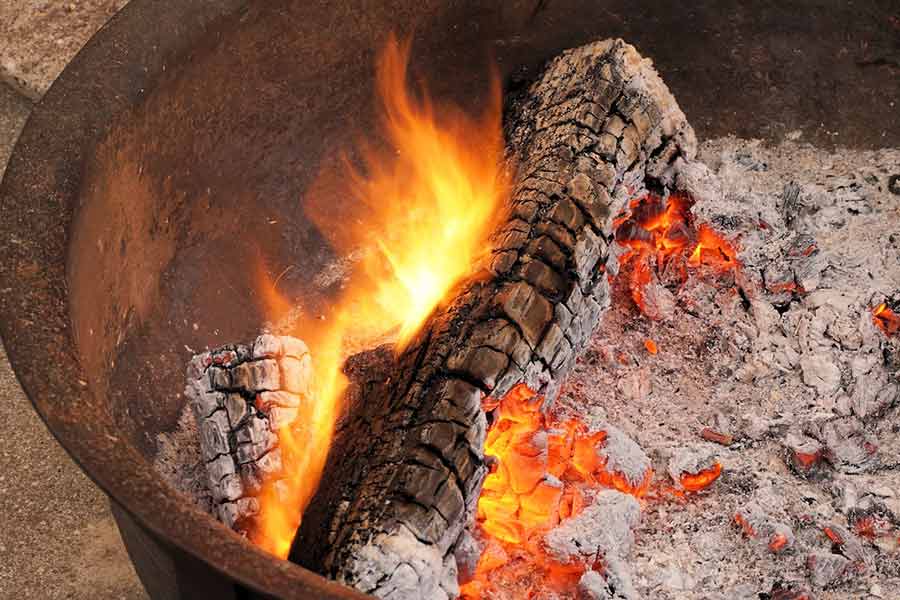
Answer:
(406, 466)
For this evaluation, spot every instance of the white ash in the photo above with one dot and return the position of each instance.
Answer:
(623, 455)
(604, 528)
(795, 372)
(467, 551)
(827, 569)
(613, 584)
(396, 567)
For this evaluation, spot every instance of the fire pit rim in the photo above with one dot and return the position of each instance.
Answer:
(38, 196)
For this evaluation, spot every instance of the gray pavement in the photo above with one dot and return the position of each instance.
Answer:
(38, 38)
(57, 536)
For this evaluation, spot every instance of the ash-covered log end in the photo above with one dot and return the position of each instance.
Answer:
(242, 395)
(398, 565)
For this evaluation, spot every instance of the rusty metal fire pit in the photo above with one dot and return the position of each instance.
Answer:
(166, 165)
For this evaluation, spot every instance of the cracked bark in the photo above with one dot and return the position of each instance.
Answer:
(241, 396)
(406, 467)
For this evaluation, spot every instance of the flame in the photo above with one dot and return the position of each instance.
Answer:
(541, 469)
(886, 319)
(663, 241)
(425, 209)
(304, 446)
(422, 215)
(712, 249)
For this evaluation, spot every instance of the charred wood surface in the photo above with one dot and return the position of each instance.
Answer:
(406, 468)
(241, 395)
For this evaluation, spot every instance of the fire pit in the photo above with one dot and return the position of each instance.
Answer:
(176, 215)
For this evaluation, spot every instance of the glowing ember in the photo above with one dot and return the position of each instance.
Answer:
(711, 435)
(745, 525)
(865, 527)
(886, 319)
(664, 242)
(542, 470)
(832, 535)
(651, 346)
(712, 249)
(778, 542)
(694, 482)
(424, 210)
(807, 460)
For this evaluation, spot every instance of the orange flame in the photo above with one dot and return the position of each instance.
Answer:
(425, 208)
(422, 215)
(712, 249)
(541, 466)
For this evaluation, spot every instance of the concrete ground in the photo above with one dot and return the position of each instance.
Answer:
(57, 536)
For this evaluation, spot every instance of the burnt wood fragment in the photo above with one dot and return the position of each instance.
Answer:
(241, 396)
(407, 464)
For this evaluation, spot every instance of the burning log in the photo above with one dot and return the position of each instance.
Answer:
(407, 463)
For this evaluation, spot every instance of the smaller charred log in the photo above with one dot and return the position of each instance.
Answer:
(241, 395)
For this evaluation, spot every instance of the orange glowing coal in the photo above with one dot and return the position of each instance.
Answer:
(422, 213)
(745, 525)
(886, 319)
(694, 482)
(663, 242)
(541, 470)
(778, 542)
